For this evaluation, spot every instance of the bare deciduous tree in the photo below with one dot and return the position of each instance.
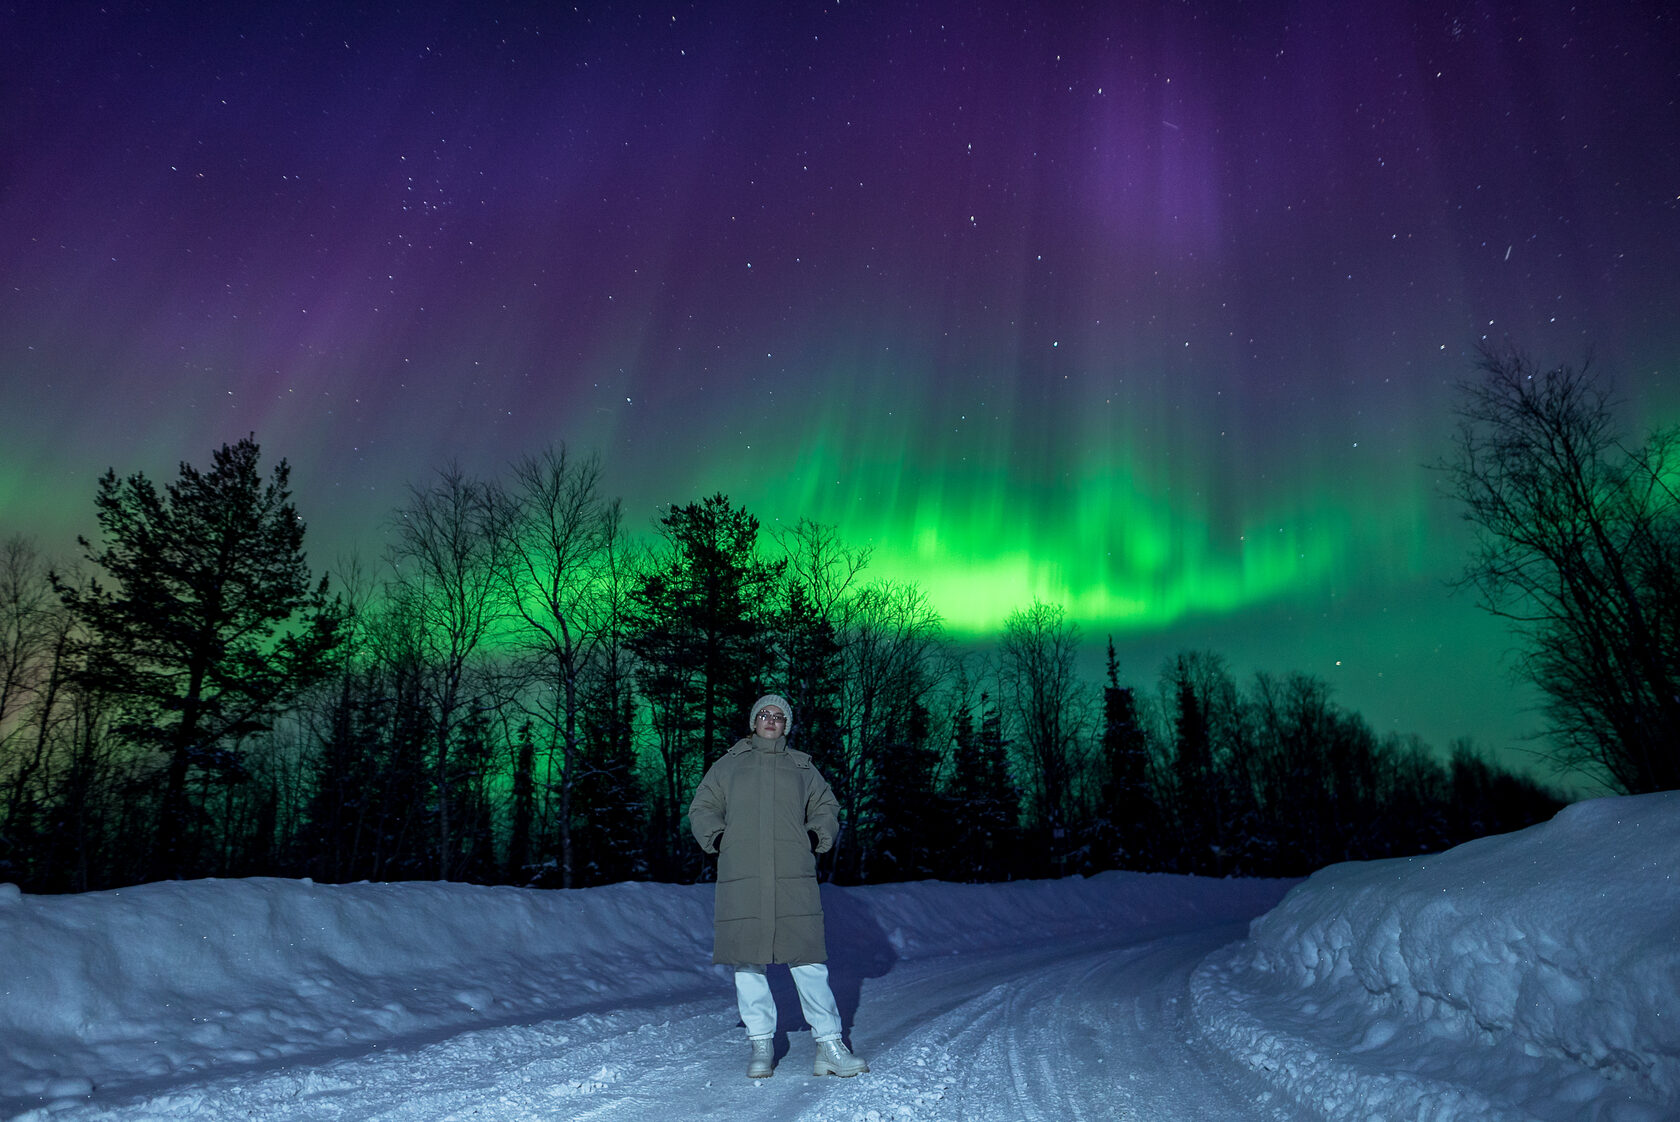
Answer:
(1578, 544)
(888, 650)
(821, 590)
(447, 576)
(27, 617)
(551, 525)
(1047, 703)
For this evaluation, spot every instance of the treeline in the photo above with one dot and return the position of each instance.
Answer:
(521, 691)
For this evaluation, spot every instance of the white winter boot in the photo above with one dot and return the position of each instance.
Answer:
(834, 1059)
(762, 1064)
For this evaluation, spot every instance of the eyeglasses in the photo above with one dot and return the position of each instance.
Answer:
(772, 716)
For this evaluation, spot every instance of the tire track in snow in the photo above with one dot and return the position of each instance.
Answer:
(1095, 1032)
(1087, 1031)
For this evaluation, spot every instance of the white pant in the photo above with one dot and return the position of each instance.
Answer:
(758, 1007)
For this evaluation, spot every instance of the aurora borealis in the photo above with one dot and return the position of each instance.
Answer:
(1152, 310)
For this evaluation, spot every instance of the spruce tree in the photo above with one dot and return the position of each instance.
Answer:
(1128, 798)
(700, 633)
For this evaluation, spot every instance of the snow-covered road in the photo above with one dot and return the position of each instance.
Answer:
(1530, 977)
(1058, 1031)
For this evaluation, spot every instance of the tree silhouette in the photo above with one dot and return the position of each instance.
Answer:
(1578, 545)
(553, 525)
(445, 604)
(212, 624)
(700, 632)
(888, 670)
(1128, 800)
(1039, 652)
(985, 805)
(1207, 788)
(434, 749)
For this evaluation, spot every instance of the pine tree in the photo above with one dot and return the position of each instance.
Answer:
(700, 633)
(212, 623)
(899, 845)
(986, 807)
(1127, 797)
(1203, 702)
(524, 809)
(610, 836)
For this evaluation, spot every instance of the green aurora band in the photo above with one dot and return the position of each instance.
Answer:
(1130, 528)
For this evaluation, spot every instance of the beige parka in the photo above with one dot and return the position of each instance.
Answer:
(753, 809)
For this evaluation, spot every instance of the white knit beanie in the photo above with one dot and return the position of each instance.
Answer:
(779, 702)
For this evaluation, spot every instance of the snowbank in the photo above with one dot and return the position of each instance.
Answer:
(112, 987)
(147, 981)
(1530, 976)
(1548, 957)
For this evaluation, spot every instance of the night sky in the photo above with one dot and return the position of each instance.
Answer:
(1151, 310)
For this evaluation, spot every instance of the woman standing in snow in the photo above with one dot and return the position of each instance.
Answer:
(756, 808)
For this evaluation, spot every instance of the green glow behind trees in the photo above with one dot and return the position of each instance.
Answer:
(532, 699)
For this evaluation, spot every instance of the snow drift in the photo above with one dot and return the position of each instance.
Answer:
(1534, 975)
(1549, 959)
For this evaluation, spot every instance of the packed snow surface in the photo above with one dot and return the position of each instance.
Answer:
(1533, 975)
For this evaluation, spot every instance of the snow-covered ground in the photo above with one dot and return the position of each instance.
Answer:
(1533, 975)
